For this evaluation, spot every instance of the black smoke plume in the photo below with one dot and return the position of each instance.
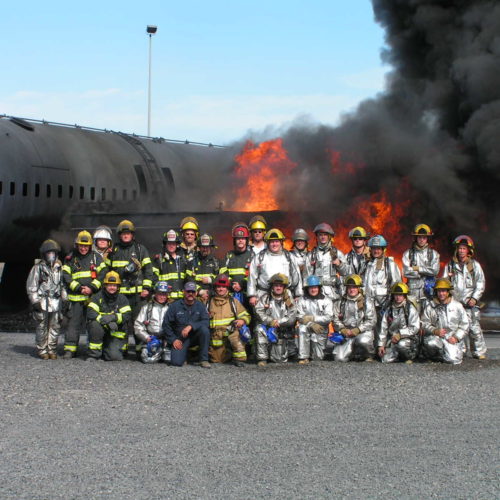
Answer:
(437, 125)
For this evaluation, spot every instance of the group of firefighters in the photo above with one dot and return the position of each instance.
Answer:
(261, 301)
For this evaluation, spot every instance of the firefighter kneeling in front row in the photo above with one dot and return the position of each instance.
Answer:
(227, 319)
(108, 315)
(354, 318)
(399, 331)
(276, 315)
(147, 326)
(314, 313)
(445, 325)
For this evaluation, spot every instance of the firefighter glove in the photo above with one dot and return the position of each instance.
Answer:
(317, 328)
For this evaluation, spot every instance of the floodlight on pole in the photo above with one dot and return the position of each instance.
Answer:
(150, 30)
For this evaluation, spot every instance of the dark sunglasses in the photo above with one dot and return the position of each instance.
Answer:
(189, 291)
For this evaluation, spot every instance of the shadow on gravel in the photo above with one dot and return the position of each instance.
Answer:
(25, 349)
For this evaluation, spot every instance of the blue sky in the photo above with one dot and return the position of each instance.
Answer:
(220, 68)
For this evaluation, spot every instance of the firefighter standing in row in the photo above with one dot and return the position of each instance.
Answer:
(421, 264)
(467, 278)
(108, 315)
(271, 261)
(276, 316)
(445, 324)
(171, 265)
(358, 257)
(205, 266)
(236, 263)
(258, 228)
(326, 261)
(227, 318)
(46, 293)
(400, 327)
(190, 230)
(314, 314)
(147, 325)
(354, 317)
(103, 241)
(300, 249)
(131, 260)
(83, 272)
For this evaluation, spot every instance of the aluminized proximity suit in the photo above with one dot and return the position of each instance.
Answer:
(46, 293)
(356, 314)
(299, 257)
(265, 265)
(149, 321)
(108, 338)
(225, 341)
(419, 263)
(270, 308)
(319, 263)
(469, 283)
(452, 317)
(356, 263)
(314, 315)
(380, 275)
(400, 322)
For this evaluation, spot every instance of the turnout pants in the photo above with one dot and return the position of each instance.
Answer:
(223, 347)
(106, 343)
(77, 317)
(311, 345)
(360, 347)
(47, 331)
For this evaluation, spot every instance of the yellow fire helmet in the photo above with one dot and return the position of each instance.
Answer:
(422, 230)
(443, 284)
(257, 222)
(358, 232)
(279, 278)
(353, 280)
(112, 278)
(125, 225)
(84, 238)
(274, 234)
(400, 288)
(189, 223)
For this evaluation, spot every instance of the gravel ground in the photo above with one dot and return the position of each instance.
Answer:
(75, 429)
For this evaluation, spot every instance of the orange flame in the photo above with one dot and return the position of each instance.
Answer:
(260, 168)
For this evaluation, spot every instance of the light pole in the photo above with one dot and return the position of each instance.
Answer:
(150, 30)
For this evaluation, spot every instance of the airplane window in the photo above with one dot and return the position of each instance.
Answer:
(124, 194)
(37, 190)
(114, 194)
(12, 188)
(49, 190)
(134, 195)
(25, 189)
(71, 190)
(82, 192)
(92, 193)
(59, 190)
(103, 194)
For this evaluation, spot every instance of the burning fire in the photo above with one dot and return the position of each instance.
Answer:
(259, 170)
